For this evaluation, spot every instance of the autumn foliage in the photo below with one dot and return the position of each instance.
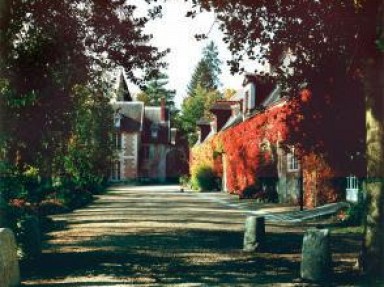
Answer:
(243, 148)
(249, 149)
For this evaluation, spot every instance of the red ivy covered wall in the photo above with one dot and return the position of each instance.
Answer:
(244, 152)
(242, 145)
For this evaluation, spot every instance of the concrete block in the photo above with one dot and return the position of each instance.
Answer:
(9, 265)
(254, 233)
(316, 261)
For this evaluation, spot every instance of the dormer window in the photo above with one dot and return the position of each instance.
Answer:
(117, 120)
(154, 131)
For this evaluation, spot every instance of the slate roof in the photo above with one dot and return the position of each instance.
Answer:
(272, 98)
(153, 114)
(203, 121)
(152, 119)
(233, 120)
(222, 105)
(132, 115)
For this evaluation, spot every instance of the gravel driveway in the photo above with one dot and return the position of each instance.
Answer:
(157, 236)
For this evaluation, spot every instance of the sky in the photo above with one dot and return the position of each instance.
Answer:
(175, 31)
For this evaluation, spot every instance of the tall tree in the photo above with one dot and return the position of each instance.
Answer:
(344, 36)
(90, 147)
(207, 71)
(196, 107)
(155, 90)
(49, 47)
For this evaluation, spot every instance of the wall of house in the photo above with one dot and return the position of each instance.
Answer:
(256, 148)
(129, 155)
(154, 167)
(329, 140)
(288, 186)
(247, 153)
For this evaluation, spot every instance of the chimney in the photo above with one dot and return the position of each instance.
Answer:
(222, 111)
(205, 129)
(162, 110)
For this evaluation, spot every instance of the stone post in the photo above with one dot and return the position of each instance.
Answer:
(9, 265)
(254, 234)
(316, 258)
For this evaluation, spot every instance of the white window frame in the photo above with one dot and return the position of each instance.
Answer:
(352, 190)
(293, 163)
(154, 131)
(117, 120)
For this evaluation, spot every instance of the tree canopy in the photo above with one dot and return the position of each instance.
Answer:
(202, 92)
(54, 58)
(314, 32)
(319, 43)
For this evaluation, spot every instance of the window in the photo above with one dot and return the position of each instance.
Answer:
(352, 190)
(117, 120)
(148, 152)
(118, 140)
(154, 131)
(292, 161)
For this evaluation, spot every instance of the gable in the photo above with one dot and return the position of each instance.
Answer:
(122, 91)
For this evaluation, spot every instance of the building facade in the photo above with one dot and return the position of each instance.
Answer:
(145, 142)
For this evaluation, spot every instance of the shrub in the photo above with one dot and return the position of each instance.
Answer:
(184, 180)
(28, 236)
(204, 179)
(250, 191)
(355, 214)
(51, 206)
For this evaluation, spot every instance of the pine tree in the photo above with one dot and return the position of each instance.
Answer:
(155, 90)
(196, 107)
(207, 71)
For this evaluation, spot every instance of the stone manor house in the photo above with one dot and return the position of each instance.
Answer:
(148, 148)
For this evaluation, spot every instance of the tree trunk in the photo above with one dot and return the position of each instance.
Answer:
(373, 245)
(5, 14)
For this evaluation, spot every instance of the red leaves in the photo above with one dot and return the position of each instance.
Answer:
(242, 145)
(305, 95)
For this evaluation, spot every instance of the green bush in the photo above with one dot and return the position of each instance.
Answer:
(204, 179)
(184, 180)
(355, 214)
(28, 235)
(250, 191)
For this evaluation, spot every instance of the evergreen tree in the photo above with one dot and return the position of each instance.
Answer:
(155, 90)
(207, 71)
(195, 108)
